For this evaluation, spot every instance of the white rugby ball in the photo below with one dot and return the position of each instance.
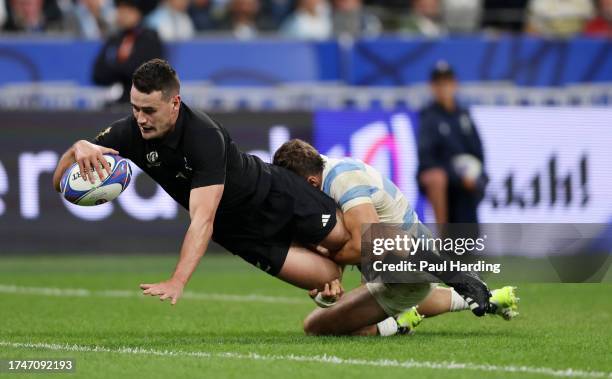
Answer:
(82, 192)
(467, 166)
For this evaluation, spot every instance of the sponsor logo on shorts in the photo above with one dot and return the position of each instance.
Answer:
(325, 219)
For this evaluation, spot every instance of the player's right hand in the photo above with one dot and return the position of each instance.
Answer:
(328, 295)
(90, 157)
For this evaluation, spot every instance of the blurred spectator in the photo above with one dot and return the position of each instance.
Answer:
(462, 16)
(53, 11)
(33, 16)
(274, 12)
(311, 20)
(200, 12)
(171, 20)
(92, 19)
(390, 4)
(2, 12)
(147, 6)
(451, 158)
(505, 14)
(219, 7)
(558, 18)
(424, 19)
(349, 18)
(601, 25)
(241, 18)
(123, 52)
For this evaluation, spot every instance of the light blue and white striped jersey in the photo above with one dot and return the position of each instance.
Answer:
(351, 182)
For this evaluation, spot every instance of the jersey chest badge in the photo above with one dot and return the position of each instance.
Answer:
(153, 159)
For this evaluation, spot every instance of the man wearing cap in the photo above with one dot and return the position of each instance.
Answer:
(451, 161)
(125, 51)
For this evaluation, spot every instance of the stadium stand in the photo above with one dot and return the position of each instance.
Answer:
(364, 55)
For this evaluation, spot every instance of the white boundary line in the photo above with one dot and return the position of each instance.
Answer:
(324, 359)
(81, 292)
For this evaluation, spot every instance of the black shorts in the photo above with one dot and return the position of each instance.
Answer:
(293, 211)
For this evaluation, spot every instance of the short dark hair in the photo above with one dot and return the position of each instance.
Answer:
(156, 75)
(300, 157)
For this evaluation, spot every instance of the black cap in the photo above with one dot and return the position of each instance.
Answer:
(144, 6)
(441, 70)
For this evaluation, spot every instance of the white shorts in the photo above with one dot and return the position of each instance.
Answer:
(394, 298)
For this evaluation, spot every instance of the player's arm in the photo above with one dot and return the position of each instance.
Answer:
(433, 176)
(354, 218)
(203, 203)
(205, 151)
(88, 156)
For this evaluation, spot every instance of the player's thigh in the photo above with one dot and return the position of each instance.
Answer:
(308, 270)
(354, 311)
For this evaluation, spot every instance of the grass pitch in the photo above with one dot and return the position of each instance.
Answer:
(238, 322)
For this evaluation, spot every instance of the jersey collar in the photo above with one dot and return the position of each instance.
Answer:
(326, 169)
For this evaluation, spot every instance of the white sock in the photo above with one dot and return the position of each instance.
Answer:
(457, 302)
(387, 327)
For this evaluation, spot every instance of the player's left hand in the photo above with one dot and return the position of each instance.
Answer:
(170, 289)
(469, 184)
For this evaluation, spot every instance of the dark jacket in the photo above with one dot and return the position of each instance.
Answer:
(442, 136)
(110, 69)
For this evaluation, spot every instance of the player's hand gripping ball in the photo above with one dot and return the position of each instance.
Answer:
(82, 192)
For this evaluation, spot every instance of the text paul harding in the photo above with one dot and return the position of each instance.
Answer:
(409, 246)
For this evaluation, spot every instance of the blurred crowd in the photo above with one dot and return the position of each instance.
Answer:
(307, 19)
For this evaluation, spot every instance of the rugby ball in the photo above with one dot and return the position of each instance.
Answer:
(82, 192)
(467, 166)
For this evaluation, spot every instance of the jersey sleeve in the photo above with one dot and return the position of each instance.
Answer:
(206, 154)
(352, 188)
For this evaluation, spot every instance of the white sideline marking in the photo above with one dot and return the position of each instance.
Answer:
(329, 359)
(81, 292)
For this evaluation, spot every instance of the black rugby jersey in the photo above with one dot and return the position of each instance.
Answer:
(197, 153)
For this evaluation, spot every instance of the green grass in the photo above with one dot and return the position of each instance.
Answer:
(560, 326)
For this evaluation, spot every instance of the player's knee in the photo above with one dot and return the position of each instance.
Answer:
(309, 327)
(324, 322)
(313, 325)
